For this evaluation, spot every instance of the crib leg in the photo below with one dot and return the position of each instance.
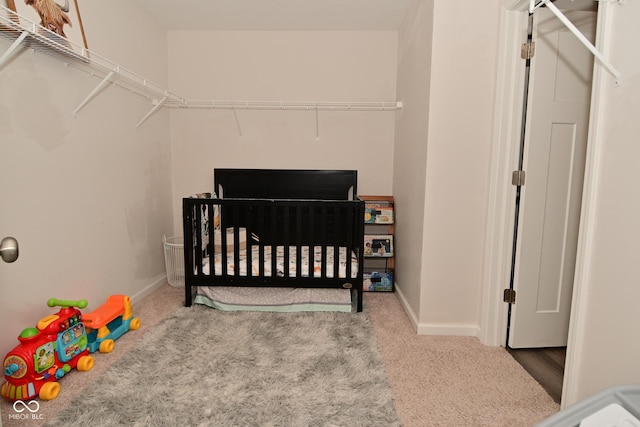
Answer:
(188, 298)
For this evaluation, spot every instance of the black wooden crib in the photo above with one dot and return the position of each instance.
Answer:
(276, 228)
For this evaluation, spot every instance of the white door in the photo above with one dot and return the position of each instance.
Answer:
(554, 157)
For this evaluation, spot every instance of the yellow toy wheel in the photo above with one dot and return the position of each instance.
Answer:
(85, 363)
(135, 324)
(49, 391)
(106, 346)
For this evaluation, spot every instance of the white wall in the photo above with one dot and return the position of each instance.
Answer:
(452, 160)
(410, 151)
(88, 197)
(604, 346)
(282, 66)
(460, 132)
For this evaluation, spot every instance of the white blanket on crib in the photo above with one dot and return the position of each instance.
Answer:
(280, 262)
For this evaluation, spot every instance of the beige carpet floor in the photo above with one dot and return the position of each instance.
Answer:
(436, 381)
(452, 381)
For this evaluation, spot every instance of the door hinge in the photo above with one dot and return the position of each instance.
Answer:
(517, 178)
(528, 50)
(509, 296)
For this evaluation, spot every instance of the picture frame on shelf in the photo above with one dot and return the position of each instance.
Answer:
(378, 245)
(378, 213)
(377, 281)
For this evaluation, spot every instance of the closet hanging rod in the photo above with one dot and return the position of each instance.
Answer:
(288, 105)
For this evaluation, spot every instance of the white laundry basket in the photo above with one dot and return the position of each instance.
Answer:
(174, 260)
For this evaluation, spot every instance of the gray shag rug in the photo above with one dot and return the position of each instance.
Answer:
(204, 367)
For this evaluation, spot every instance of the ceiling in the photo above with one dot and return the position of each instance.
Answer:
(585, 5)
(313, 15)
(299, 15)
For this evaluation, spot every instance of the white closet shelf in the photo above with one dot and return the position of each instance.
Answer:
(25, 33)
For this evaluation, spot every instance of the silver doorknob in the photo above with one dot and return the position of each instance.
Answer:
(9, 249)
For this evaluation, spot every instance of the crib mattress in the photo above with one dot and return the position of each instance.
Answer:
(280, 262)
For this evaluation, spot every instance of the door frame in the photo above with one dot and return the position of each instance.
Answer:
(509, 103)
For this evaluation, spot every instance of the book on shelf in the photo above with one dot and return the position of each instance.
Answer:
(377, 281)
(378, 245)
(378, 213)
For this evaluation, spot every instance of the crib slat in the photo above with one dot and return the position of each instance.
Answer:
(286, 242)
(198, 233)
(273, 234)
(323, 238)
(261, 247)
(210, 232)
(312, 222)
(248, 240)
(298, 239)
(349, 243)
(236, 242)
(223, 240)
(336, 246)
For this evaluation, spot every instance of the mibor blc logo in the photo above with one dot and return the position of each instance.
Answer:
(26, 410)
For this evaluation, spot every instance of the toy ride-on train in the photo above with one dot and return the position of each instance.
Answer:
(61, 342)
(109, 322)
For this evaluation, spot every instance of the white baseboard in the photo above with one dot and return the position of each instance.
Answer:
(452, 329)
(407, 308)
(159, 282)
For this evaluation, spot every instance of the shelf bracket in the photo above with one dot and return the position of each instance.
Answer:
(153, 110)
(317, 127)
(534, 4)
(93, 93)
(235, 116)
(5, 56)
